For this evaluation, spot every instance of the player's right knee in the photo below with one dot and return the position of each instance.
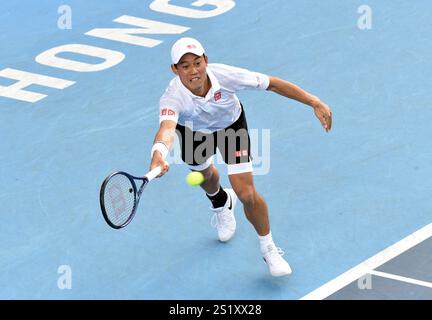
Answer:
(210, 173)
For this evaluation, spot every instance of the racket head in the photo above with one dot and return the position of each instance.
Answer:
(118, 199)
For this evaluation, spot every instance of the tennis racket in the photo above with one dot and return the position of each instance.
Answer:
(119, 196)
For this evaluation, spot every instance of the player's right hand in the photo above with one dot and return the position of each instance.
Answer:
(158, 161)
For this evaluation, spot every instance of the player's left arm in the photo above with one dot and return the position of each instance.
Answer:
(290, 90)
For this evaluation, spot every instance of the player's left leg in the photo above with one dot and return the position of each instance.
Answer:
(254, 205)
(256, 211)
(234, 144)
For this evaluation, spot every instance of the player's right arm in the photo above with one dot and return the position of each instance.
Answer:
(162, 143)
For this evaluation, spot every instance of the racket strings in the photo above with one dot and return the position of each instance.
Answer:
(119, 199)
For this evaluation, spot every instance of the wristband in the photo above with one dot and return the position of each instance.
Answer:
(161, 147)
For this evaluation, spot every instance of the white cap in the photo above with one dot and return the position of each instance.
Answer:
(183, 46)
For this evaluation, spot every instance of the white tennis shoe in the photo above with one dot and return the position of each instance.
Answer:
(223, 218)
(277, 265)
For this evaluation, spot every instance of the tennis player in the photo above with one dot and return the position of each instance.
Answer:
(200, 106)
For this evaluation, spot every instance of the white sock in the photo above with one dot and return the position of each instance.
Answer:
(266, 242)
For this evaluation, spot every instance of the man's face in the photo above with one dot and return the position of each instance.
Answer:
(192, 72)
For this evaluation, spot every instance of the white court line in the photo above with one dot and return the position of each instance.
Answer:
(370, 264)
(400, 278)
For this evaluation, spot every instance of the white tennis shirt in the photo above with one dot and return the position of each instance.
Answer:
(219, 108)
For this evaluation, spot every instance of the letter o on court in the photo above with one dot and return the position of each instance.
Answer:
(50, 58)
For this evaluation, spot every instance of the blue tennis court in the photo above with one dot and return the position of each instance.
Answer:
(336, 200)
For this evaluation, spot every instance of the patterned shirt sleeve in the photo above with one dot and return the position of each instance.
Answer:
(168, 110)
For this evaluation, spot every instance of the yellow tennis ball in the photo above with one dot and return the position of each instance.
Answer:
(195, 178)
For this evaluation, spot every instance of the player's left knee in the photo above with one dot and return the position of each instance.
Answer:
(247, 196)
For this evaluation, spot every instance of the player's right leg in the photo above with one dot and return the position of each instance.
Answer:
(198, 150)
(223, 203)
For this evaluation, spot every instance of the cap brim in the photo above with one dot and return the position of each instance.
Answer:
(196, 52)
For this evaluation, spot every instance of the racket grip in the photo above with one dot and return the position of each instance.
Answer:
(153, 174)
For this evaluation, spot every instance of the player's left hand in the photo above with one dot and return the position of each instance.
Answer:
(324, 114)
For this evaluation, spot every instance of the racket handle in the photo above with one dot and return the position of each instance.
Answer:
(152, 174)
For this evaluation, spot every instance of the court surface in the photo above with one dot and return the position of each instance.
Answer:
(337, 201)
